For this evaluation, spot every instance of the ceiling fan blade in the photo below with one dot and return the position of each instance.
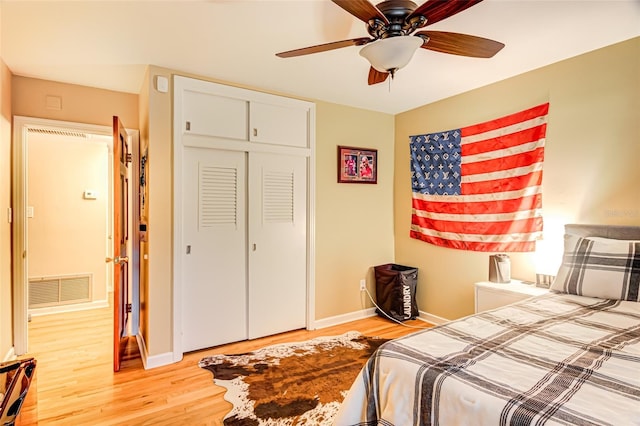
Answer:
(362, 9)
(437, 10)
(376, 76)
(460, 44)
(324, 47)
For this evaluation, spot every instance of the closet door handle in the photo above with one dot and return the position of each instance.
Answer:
(254, 247)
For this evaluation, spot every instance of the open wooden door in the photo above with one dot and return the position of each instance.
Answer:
(121, 158)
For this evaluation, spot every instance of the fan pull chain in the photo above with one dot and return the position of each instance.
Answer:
(392, 73)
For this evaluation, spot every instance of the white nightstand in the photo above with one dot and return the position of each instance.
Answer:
(493, 295)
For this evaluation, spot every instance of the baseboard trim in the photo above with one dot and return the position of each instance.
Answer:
(341, 319)
(11, 355)
(370, 312)
(97, 304)
(143, 349)
(431, 319)
(152, 361)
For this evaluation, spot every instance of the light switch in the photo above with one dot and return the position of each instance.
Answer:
(30, 212)
(90, 194)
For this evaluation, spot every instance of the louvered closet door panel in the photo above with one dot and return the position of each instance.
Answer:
(214, 253)
(277, 238)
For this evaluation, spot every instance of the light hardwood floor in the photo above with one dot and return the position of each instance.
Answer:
(75, 384)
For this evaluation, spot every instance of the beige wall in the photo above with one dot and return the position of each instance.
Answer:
(591, 171)
(64, 222)
(354, 222)
(6, 334)
(80, 104)
(143, 107)
(158, 285)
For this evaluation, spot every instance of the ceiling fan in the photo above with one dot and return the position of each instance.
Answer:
(391, 25)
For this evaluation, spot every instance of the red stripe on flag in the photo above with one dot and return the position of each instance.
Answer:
(502, 185)
(526, 246)
(531, 202)
(518, 117)
(503, 163)
(478, 228)
(506, 141)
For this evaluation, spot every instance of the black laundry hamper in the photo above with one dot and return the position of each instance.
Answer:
(396, 291)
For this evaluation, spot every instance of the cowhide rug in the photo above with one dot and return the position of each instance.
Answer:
(291, 384)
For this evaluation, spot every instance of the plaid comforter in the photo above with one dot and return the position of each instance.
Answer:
(554, 359)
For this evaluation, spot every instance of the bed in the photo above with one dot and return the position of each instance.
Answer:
(570, 357)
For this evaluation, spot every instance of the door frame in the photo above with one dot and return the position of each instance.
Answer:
(21, 126)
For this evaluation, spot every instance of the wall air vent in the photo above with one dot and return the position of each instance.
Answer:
(61, 290)
(57, 132)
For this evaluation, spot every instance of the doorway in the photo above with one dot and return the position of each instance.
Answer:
(63, 227)
(69, 200)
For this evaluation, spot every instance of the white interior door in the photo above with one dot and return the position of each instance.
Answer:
(214, 278)
(277, 243)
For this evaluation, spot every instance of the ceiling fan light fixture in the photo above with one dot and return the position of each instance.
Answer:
(392, 53)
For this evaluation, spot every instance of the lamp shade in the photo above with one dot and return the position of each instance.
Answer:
(390, 54)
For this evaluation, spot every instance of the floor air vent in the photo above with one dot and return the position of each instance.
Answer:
(55, 291)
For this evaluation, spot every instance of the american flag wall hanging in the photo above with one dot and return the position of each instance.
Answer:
(479, 187)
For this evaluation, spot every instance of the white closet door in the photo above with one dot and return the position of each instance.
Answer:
(279, 124)
(214, 309)
(277, 243)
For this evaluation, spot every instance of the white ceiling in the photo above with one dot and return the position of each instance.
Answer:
(107, 44)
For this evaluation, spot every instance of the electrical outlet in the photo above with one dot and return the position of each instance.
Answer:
(363, 285)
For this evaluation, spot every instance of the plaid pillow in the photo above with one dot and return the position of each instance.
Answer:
(600, 267)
